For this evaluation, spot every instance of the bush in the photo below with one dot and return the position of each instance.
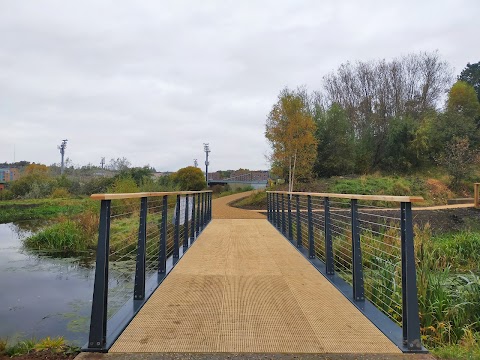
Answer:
(60, 193)
(6, 195)
(190, 178)
(123, 185)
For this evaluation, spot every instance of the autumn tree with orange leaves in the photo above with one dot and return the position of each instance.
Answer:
(290, 130)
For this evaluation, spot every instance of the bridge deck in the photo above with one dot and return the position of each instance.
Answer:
(243, 288)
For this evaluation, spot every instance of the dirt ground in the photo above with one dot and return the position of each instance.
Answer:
(41, 355)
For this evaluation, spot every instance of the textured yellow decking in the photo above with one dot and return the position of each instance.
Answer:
(243, 288)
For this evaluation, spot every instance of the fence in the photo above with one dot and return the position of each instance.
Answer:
(141, 238)
(363, 241)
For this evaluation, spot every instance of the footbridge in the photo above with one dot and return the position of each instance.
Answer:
(319, 274)
(256, 180)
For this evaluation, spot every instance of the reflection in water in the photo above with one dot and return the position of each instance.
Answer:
(48, 296)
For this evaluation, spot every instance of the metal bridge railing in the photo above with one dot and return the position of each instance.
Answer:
(363, 241)
(141, 237)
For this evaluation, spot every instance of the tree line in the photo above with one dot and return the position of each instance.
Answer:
(378, 115)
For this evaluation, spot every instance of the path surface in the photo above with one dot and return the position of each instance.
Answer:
(243, 288)
(221, 210)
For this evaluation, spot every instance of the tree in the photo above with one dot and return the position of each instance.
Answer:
(190, 178)
(290, 130)
(335, 150)
(376, 92)
(459, 119)
(458, 159)
(36, 169)
(119, 164)
(463, 100)
(471, 75)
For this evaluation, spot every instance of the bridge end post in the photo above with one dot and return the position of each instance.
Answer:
(284, 230)
(97, 338)
(410, 316)
(162, 251)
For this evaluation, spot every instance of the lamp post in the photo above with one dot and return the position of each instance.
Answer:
(206, 148)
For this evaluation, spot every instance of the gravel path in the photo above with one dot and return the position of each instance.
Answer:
(221, 209)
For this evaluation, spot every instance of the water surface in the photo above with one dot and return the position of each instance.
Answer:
(41, 295)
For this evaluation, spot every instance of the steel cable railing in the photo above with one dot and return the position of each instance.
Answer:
(141, 237)
(367, 241)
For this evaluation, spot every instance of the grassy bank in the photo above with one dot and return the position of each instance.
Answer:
(33, 209)
(434, 190)
(48, 348)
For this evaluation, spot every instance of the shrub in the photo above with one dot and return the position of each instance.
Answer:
(6, 195)
(190, 178)
(60, 193)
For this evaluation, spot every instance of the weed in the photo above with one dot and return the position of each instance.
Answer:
(53, 344)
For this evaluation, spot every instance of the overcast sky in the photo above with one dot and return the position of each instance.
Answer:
(153, 80)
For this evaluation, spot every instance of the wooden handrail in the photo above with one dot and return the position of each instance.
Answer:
(390, 198)
(143, 194)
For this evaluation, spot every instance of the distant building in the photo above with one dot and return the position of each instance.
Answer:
(2, 186)
(8, 174)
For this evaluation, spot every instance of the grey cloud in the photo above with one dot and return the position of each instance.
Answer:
(152, 81)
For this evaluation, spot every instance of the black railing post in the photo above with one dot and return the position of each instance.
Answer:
(299, 223)
(162, 251)
(185, 224)
(410, 318)
(311, 240)
(197, 226)
(202, 211)
(284, 230)
(211, 206)
(177, 229)
(139, 287)
(192, 230)
(329, 261)
(207, 203)
(289, 210)
(98, 320)
(357, 270)
(268, 207)
(279, 221)
(273, 210)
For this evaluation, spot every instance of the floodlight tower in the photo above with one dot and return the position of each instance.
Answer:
(62, 148)
(195, 162)
(102, 162)
(206, 148)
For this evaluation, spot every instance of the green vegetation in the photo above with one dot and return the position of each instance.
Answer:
(19, 210)
(190, 178)
(56, 345)
(256, 200)
(378, 116)
(220, 191)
